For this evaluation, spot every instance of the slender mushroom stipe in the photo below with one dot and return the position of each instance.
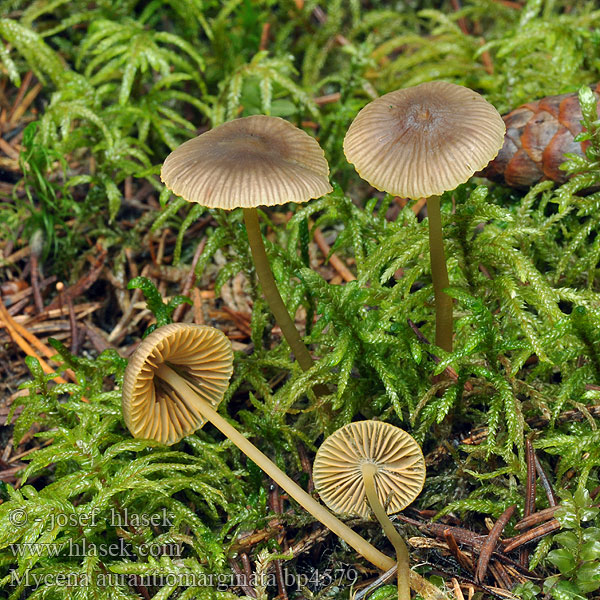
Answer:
(420, 142)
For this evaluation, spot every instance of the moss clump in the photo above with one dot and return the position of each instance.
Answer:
(120, 84)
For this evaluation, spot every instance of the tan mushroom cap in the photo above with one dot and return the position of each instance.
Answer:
(248, 162)
(337, 469)
(424, 140)
(202, 355)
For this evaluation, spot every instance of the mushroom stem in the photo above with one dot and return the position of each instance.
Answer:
(197, 404)
(273, 297)
(439, 274)
(368, 471)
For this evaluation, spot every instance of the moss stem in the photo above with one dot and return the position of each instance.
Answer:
(197, 404)
(368, 472)
(439, 274)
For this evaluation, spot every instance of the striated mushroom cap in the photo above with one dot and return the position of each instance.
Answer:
(200, 354)
(248, 162)
(337, 469)
(424, 140)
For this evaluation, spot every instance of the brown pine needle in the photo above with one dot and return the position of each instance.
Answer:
(490, 543)
(334, 260)
(18, 333)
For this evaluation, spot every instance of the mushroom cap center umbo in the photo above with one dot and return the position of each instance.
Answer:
(251, 148)
(200, 355)
(428, 119)
(248, 162)
(424, 140)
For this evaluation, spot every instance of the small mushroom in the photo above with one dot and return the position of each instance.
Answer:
(197, 354)
(250, 162)
(172, 385)
(366, 464)
(419, 142)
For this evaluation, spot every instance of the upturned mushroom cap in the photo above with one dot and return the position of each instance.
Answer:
(337, 470)
(248, 162)
(424, 140)
(200, 354)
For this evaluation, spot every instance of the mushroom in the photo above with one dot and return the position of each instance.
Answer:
(174, 381)
(250, 162)
(365, 464)
(419, 142)
(199, 355)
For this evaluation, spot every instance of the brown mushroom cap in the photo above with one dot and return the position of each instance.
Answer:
(424, 140)
(200, 354)
(248, 162)
(338, 475)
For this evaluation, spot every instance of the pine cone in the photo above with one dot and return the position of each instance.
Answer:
(537, 136)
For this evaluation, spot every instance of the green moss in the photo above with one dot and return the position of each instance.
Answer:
(122, 84)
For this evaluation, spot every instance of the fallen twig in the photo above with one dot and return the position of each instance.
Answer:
(532, 534)
(334, 260)
(189, 281)
(490, 543)
(530, 489)
(545, 483)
